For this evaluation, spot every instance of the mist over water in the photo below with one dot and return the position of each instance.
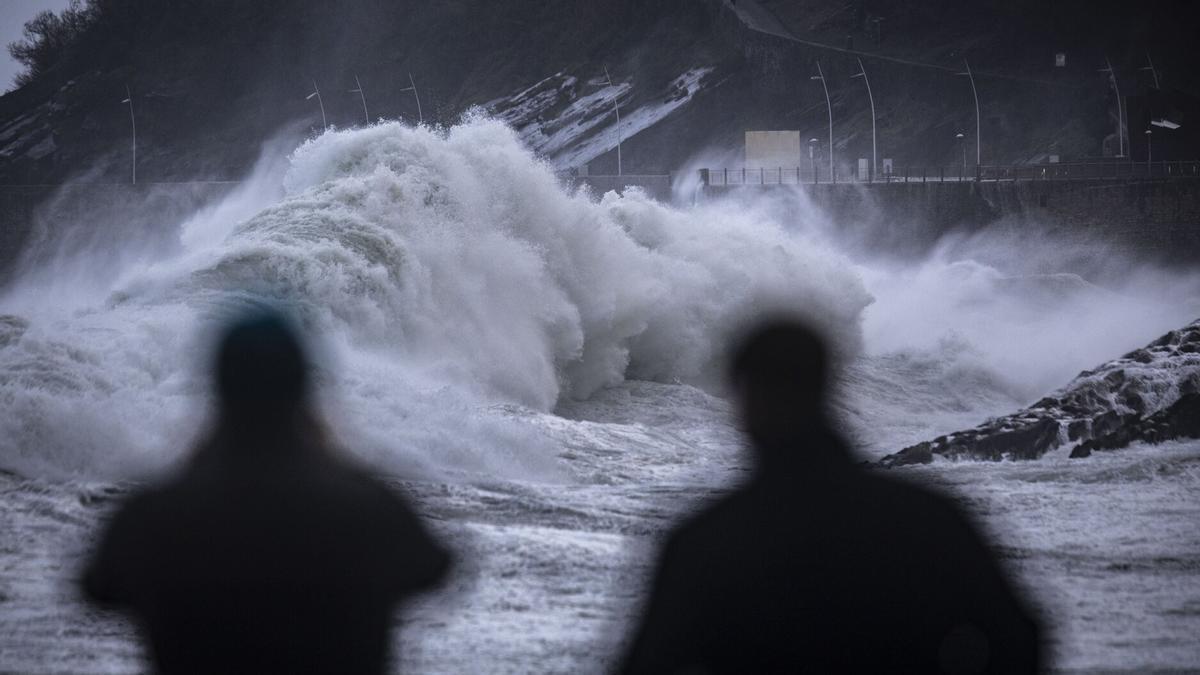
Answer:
(457, 294)
(547, 364)
(448, 278)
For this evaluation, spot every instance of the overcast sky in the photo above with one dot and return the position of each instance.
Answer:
(13, 15)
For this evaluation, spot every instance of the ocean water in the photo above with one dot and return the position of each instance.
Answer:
(541, 371)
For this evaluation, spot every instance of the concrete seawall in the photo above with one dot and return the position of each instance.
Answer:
(1153, 218)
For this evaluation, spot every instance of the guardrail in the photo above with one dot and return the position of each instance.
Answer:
(954, 174)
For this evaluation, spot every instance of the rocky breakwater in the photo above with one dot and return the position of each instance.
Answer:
(1151, 394)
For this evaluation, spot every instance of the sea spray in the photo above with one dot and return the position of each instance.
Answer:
(450, 280)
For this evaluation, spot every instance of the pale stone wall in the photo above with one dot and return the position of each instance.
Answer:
(772, 149)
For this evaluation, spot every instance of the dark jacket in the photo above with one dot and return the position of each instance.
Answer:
(818, 565)
(265, 557)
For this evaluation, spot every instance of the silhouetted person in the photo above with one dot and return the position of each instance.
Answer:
(819, 565)
(267, 553)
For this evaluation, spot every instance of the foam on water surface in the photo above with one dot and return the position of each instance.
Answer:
(445, 272)
(546, 366)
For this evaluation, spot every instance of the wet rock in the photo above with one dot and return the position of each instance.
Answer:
(1150, 395)
(1048, 402)
(1181, 420)
(1027, 442)
(920, 453)
(1079, 429)
(1107, 423)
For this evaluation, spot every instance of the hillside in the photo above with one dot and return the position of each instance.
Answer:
(211, 81)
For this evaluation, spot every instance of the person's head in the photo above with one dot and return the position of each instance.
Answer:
(779, 373)
(261, 371)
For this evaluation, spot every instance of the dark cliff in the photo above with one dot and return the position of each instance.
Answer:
(212, 80)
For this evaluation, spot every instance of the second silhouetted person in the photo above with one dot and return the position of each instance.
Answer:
(820, 565)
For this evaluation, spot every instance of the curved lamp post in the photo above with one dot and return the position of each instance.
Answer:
(413, 88)
(829, 105)
(133, 126)
(317, 92)
(361, 96)
(1151, 68)
(1112, 77)
(975, 93)
(617, 110)
(862, 72)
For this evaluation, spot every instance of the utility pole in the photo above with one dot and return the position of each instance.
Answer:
(829, 105)
(413, 89)
(1112, 76)
(975, 93)
(862, 72)
(133, 126)
(362, 96)
(616, 109)
(317, 92)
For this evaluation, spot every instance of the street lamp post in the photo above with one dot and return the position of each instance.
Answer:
(975, 93)
(1112, 76)
(962, 143)
(317, 92)
(413, 88)
(829, 105)
(133, 127)
(1149, 152)
(812, 156)
(617, 110)
(862, 72)
(362, 97)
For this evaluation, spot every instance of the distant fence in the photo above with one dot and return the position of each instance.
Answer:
(940, 174)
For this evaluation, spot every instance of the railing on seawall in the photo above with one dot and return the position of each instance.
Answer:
(796, 175)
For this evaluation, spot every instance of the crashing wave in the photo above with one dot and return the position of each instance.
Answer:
(447, 272)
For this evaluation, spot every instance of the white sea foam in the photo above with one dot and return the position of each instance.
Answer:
(447, 273)
(458, 295)
(472, 317)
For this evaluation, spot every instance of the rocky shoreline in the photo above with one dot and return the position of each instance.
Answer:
(1151, 394)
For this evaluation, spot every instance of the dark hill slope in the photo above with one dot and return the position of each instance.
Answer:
(213, 79)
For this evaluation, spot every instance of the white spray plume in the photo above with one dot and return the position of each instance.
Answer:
(451, 279)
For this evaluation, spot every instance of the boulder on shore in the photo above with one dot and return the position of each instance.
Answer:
(1151, 394)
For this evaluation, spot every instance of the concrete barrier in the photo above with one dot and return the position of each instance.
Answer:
(1158, 218)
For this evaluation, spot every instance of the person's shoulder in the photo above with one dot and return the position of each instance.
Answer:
(145, 502)
(907, 499)
(718, 518)
(356, 484)
(891, 484)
